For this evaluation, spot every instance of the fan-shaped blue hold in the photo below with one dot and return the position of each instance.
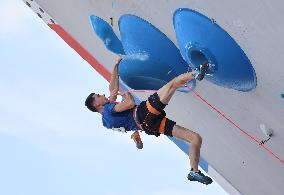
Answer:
(139, 74)
(151, 59)
(105, 32)
(200, 39)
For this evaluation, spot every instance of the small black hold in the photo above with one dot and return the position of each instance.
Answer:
(41, 10)
(111, 21)
(28, 4)
(39, 15)
(213, 20)
(52, 21)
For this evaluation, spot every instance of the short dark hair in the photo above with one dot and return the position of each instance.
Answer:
(89, 103)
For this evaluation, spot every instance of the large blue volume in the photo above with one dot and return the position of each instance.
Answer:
(151, 59)
(200, 39)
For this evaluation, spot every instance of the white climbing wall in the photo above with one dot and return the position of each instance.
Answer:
(230, 139)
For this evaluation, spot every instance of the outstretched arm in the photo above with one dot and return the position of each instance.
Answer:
(114, 82)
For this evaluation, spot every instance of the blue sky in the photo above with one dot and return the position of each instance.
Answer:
(50, 143)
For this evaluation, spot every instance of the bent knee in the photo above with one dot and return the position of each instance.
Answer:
(197, 139)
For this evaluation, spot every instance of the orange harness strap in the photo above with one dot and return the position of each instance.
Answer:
(156, 112)
(135, 119)
(162, 126)
(152, 109)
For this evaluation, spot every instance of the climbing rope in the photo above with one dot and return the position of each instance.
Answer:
(227, 119)
(238, 127)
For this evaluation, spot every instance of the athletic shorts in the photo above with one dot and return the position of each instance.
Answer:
(152, 117)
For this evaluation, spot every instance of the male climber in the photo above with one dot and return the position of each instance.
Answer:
(150, 116)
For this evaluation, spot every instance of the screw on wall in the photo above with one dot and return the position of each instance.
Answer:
(112, 12)
(267, 132)
(263, 141)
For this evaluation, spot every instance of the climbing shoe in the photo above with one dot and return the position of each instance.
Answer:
(137, 139)
(200, 177)
(201, 71)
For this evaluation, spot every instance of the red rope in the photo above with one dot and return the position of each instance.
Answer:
(228, 119)
(241, 129)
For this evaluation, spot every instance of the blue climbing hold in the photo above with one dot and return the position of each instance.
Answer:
(202, 40)
(152, 59)
(282, 95)
(105, 32)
